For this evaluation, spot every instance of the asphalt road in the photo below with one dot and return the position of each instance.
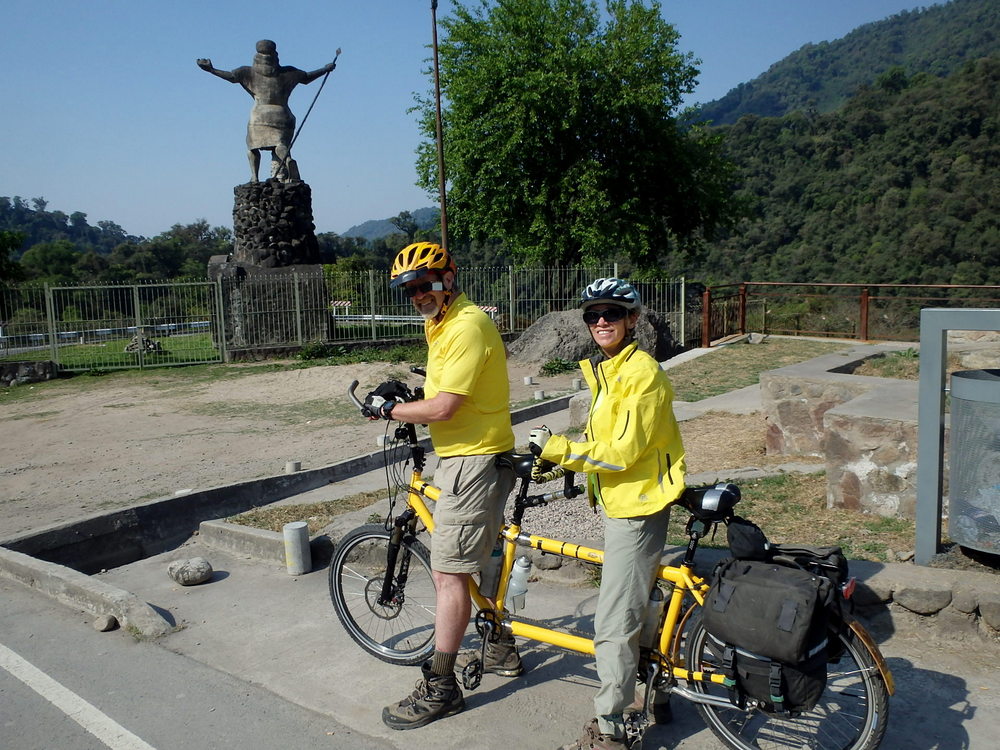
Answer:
(58, 674)
(259, 661)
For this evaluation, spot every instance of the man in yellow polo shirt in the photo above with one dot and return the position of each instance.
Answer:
(467, 407)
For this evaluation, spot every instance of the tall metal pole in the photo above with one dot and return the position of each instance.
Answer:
(440, 143)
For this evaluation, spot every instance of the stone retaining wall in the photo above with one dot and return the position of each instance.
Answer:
(21, 373)
(865, 427)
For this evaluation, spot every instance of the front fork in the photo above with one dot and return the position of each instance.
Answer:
(394, 583)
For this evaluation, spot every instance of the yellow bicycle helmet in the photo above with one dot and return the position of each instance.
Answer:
(417, 260)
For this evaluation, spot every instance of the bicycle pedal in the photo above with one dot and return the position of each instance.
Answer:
(472, 674)
(636, 724)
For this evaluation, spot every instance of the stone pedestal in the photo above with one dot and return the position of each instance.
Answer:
(273, 224)
(273, 292)
(271, 308)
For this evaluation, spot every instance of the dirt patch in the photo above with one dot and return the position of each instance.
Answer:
(76, 449)
(718, 441)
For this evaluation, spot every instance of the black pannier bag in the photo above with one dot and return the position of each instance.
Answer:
(746, 540)
(769, 628)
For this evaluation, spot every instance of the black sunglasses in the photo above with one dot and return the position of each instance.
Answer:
(611, 315)
(427, 286)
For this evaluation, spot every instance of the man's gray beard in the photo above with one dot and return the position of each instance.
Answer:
(431, 316)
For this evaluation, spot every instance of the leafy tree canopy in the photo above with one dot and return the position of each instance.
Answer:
(559, 132)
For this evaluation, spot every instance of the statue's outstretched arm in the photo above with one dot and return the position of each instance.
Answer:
(313, 75)
(206, 65)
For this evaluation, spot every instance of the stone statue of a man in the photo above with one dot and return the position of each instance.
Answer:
(272, 124)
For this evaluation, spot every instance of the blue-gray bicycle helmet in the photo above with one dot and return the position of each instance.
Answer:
(610, 291)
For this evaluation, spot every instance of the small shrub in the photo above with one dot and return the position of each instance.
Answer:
(558, 366)
(316, 350)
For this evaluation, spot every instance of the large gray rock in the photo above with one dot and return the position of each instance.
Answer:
(564, 335)
(190, 572)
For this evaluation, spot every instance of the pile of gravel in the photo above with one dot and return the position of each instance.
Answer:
(569, 520)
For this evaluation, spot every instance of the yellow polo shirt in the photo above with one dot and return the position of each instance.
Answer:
(466, 356)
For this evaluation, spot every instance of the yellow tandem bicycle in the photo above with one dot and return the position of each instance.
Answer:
(383, 593)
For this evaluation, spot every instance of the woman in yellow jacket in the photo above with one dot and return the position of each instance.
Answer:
(634, 460)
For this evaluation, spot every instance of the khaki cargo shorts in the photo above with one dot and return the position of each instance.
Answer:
(469, 513)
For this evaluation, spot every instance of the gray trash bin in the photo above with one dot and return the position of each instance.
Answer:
(974, 464)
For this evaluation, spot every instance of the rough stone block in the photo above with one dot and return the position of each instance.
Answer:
(923, 601)
(989, 609)
(965, 599)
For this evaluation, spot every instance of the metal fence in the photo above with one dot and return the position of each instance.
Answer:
(170, 323)
(861, 311)
(111, 326)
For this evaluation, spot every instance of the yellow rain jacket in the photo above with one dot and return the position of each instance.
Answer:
(632, 449)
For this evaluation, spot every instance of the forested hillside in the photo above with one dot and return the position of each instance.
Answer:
(900, 185)
(821, 77)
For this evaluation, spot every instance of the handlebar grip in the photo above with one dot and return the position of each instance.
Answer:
(355, 399)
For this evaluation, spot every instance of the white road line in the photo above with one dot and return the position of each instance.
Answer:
(102, 726)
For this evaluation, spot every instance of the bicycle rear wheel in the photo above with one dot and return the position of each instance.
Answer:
(851, 714)
(400, 630)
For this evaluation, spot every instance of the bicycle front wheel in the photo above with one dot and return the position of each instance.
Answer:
(399, 630)
(851, 714)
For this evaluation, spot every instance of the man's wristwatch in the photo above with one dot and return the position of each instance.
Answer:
(387, 408)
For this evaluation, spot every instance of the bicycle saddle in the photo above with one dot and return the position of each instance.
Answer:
(520, 462)
(711, 503)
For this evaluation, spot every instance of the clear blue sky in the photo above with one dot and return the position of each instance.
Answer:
(105, 111)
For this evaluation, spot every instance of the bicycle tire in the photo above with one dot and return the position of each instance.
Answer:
(400, 632)
(852, 713)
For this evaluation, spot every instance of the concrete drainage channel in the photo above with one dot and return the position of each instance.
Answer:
(58, 561)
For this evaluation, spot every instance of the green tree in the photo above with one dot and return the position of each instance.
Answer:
(10, 243)
(51, 262)
(559, 132)
(406, 225)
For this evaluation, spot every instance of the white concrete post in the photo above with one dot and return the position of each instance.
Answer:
(298, 559)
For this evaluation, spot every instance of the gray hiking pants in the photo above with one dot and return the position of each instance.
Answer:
(633, 548)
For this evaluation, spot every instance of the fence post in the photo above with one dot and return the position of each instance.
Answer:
(683, 307)
(863, 315)
(50, 319)
(371, 299)
(743, 308)
(138, 325)
(297, 293)
(510, 294)
(706, 318)
(220, 326)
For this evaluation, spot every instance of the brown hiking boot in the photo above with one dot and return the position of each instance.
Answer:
(435, 697)
(501, 658)
(592, 739)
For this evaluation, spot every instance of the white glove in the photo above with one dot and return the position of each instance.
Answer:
(537, 439)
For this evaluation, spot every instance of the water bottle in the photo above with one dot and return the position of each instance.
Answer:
(518, 585)
(654, 607)
(489, 576)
